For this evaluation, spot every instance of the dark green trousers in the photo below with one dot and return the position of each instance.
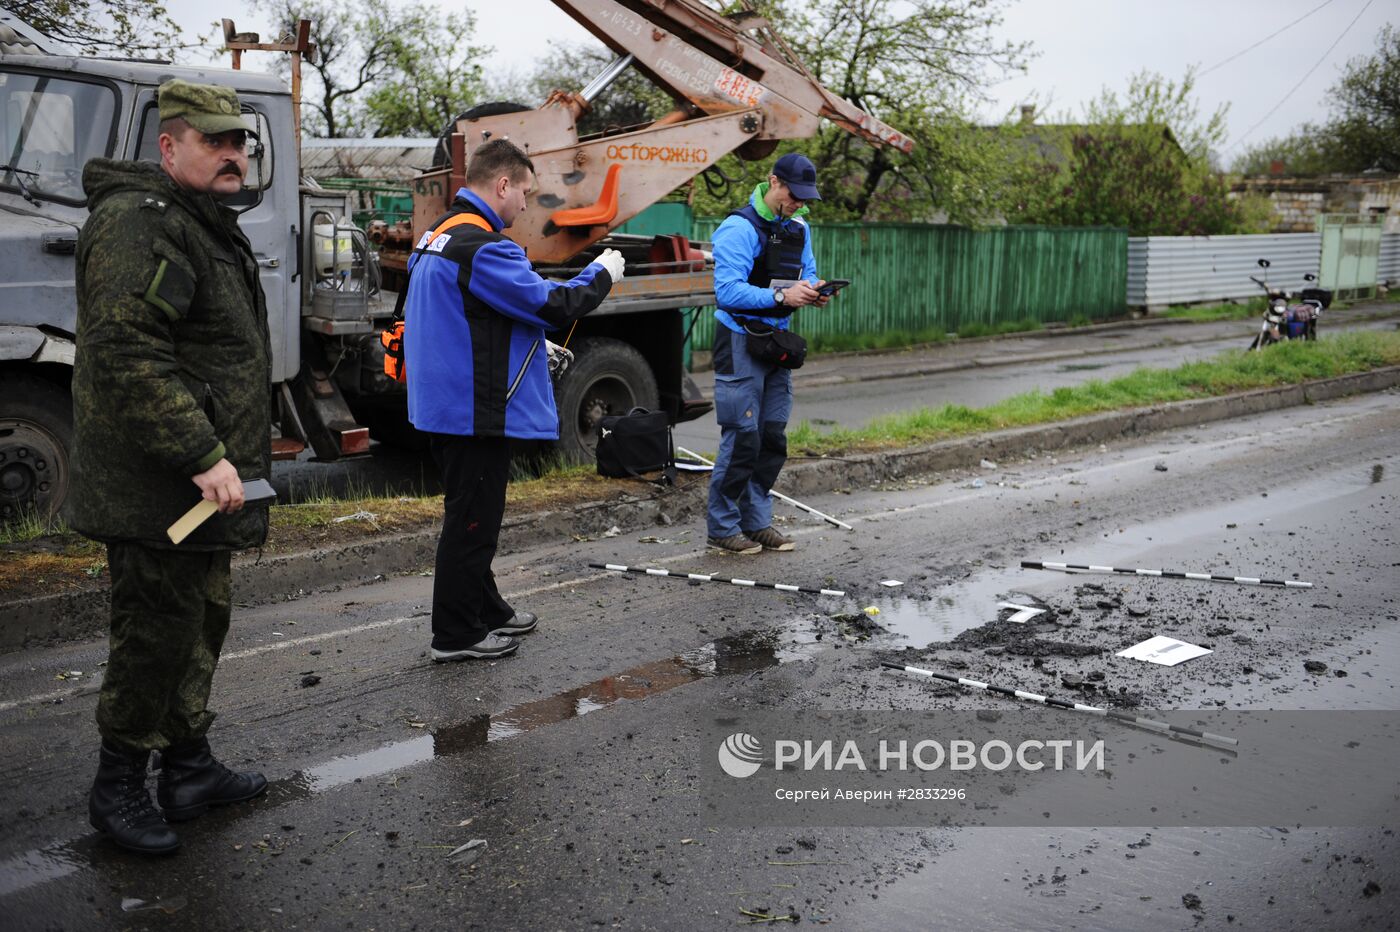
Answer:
(170, 613)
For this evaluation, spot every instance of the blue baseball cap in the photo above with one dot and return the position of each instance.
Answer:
(799, 174)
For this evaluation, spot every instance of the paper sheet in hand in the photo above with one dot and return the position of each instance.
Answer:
(254, 490)
(1164, 650)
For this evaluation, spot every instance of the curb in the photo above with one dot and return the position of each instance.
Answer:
(69, 616)
(988, 362)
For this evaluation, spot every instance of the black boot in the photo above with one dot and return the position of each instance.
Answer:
(191, 781)
(120, 806)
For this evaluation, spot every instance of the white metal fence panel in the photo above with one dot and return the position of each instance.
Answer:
(1166, 270)
(1390, 258)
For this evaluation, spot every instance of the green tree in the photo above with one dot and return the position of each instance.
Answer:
(628, 101)
(1142, 161)
(1363, 131)
(382, 68)
(429, 81)
(103, 27)
(1307, 151)
(1367, 126)
(918, 65)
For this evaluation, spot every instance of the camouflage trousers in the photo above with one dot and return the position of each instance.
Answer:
(170, 613)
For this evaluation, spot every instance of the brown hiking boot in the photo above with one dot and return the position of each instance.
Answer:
(737, 543)
(770, 539)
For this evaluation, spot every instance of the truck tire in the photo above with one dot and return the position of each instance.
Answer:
(36, 436)
(388, 423)
(606, 377)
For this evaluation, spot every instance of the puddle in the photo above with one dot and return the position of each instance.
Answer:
(729, 656)
(33, 868)
(738, 654)
(907, 622)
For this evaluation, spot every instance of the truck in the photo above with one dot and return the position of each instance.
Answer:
(737, 88)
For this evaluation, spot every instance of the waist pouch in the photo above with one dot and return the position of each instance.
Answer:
(392, 341)
(636, 442)
(775, 347)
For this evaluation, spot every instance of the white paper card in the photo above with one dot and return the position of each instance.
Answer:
(1024, 613)
(890, 583)
(1164, 650)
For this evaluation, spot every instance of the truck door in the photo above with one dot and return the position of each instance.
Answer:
(267, 211)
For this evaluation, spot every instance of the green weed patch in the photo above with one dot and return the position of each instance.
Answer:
(1282, 364)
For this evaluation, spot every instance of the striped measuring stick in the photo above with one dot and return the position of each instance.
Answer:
(1166, 574)
(708, 577)
(1151, 723)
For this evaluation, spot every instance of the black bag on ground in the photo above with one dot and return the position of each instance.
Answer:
(636, 442)
(775, 347)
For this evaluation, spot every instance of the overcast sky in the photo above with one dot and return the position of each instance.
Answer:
(1083, 45)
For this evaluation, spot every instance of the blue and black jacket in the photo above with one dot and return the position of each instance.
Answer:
(474, 328)
(752, 247)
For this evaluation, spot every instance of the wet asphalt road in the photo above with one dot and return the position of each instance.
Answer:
(576, 761)
(849, 390)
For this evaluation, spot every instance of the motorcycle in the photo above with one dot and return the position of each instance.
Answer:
(1284, 321)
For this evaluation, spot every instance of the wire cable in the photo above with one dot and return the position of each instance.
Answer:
(1256, 45)
(1316, 65)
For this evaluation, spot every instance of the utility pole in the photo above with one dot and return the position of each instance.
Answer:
(297, 46)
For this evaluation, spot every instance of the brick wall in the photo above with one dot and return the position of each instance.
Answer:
(1297, 202)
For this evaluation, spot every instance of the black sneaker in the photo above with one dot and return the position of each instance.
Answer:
(488, 647)
(520, 623)
(772, 540)
(736, 543)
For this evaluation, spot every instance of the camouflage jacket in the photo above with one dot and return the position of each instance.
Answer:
(173, 362)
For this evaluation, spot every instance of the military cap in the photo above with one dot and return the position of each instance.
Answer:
(207, 107)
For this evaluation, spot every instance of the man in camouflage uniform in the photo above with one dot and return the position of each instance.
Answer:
(170, 401)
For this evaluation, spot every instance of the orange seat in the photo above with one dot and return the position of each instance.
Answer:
(597, 214)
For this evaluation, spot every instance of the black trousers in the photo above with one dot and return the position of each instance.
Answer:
(466, 603)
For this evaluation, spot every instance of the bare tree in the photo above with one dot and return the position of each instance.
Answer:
(102, 27)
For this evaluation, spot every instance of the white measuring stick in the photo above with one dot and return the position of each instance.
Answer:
(776, 494)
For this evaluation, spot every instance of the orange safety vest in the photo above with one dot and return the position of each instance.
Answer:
(395, 366)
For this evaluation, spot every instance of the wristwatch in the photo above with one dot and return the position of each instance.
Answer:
(777, 296)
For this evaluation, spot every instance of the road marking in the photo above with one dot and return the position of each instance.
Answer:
(92, 687)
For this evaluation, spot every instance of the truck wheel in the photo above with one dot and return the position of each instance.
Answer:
(389, 424)
(606, 377)
(36, 434)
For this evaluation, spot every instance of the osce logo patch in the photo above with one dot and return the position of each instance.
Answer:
(440, 243)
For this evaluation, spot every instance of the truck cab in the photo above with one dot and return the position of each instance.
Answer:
(57, 112)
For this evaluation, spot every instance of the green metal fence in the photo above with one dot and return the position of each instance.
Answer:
(1351, 254)
(911, 277)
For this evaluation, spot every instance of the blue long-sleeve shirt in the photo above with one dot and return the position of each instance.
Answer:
(475, 318)
(736, 247)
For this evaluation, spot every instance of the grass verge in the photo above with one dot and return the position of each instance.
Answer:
(1228, 310)
(903, 339)
(1282, 364)
(33, 563)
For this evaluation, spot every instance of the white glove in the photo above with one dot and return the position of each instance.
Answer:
(612, 260)
(559, 358)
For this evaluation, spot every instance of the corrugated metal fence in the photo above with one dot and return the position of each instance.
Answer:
(913, 277)
(1389, 267)
(1166, 270)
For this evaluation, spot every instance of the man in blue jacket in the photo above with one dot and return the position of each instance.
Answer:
(475, 318)
(764, 270)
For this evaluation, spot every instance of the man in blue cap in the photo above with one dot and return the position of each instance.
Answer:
(764, 270)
